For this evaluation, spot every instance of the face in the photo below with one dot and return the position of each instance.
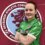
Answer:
(30, 11)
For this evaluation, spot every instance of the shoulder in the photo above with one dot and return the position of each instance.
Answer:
(39, 23)
(22, 23)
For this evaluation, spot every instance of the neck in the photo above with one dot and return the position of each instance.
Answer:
(31, 19)
(25, 44)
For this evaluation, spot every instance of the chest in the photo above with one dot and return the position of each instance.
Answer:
(26, 26)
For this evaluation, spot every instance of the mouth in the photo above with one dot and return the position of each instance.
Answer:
(28, 14)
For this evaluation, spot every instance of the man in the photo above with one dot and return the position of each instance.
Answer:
(32, 27)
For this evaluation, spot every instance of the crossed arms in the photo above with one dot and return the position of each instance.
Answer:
(24, 39)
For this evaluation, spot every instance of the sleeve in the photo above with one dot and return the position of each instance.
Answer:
(36, 30)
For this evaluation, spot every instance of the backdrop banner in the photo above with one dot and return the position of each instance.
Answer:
(11, 14)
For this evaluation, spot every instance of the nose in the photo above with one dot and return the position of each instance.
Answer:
(28, 11)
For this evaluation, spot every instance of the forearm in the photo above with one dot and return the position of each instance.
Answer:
(20, 38)
(17, 37)
(23, 40)
(26, 39)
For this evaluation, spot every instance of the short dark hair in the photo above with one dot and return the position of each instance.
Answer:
(33, 4)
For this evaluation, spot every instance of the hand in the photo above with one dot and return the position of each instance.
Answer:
(17, 37)
(23, 39)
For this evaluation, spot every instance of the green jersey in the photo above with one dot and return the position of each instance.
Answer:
(34, 27)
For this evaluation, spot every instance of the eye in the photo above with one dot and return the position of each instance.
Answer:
(30, 9)
(26, 9)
